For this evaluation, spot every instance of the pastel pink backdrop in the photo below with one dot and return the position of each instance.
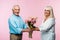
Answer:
(28, 8)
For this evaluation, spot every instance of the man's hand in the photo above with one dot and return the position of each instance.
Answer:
(26, 30)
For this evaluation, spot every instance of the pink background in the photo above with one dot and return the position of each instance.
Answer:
(28, 8)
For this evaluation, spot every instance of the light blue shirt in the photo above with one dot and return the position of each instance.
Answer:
(16, 24)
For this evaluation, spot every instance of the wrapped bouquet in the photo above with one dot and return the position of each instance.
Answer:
(31, 21)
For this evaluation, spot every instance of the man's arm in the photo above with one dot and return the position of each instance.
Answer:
(13, 26)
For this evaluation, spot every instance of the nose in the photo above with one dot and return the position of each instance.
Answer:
(17, 10)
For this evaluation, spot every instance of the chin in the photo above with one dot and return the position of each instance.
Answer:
(17, 14)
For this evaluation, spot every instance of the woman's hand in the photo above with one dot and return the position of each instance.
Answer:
(35, 29)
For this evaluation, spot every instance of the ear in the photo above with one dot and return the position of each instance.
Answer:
(12, 9)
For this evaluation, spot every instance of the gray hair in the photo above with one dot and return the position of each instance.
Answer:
(15, 6)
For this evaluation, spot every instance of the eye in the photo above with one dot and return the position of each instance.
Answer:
(46, 10)
(17, 9)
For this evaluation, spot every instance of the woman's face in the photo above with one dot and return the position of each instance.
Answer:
(47, 13)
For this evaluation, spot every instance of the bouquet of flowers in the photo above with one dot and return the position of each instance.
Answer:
(31, 23)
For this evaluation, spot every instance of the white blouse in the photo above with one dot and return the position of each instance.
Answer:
(47, 29)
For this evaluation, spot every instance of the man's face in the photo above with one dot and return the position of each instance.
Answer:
(16, 10)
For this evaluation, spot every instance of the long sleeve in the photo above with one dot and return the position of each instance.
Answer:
(25, 26)
(47, 25)
(13, 26)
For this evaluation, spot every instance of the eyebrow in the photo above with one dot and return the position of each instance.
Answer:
(47, 10)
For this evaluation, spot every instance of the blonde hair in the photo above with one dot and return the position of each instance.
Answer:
(51, 11)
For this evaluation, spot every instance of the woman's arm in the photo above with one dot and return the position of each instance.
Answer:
(47, 25)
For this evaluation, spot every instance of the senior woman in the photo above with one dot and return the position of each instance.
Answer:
(47, 28)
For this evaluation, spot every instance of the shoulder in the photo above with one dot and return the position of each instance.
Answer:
(21, 18)
(11, 17)
(51, 19)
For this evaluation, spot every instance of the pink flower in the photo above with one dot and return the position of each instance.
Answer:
(31, 20)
